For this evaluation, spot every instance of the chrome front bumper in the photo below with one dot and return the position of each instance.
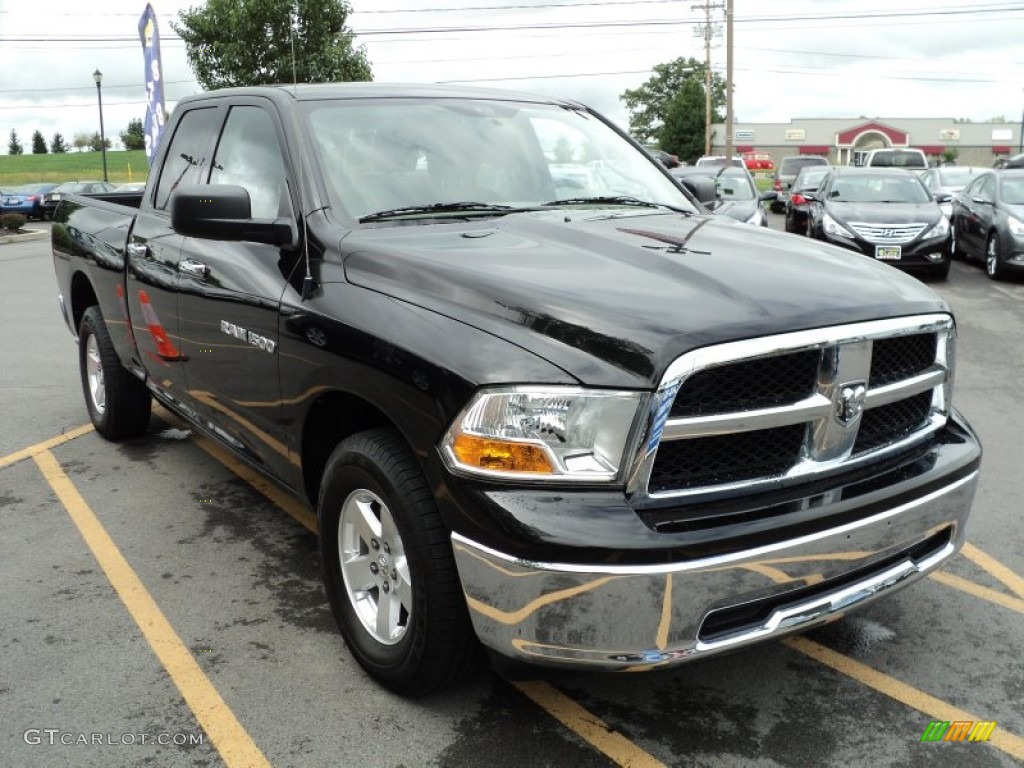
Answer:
(637, 617)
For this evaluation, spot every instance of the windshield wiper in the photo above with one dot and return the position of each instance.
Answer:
(614, 200)
(460, 207)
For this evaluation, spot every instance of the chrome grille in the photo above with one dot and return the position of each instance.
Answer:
(895, 234)
(754, 412)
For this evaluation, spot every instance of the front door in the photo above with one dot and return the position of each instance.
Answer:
(230, 299)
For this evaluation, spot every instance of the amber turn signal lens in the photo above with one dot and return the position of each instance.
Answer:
(501, 455)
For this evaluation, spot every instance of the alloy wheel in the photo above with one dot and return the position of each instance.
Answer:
(374, 566)
(94, 374)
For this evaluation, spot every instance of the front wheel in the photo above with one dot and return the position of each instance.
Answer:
(388, 567)
(993, 258)
(119, 404)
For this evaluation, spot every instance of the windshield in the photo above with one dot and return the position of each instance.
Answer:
(898, 158)
(390, 154)
(810, 177)
(1013, 191)
(734, 184)
(956, 177)
(878, 189)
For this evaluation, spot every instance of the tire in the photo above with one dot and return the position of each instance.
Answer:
(388, 568)
(993, 262)
(790, 223)
(776, 207)
(119, 404)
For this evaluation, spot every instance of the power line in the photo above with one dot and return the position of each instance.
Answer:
(90, 88)
(589, 3)
(624, 23)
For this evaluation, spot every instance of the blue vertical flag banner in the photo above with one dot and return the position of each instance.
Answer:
(150, 37)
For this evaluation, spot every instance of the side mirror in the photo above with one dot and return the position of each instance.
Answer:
(811, 196)
(224, 212)
(768, 194)
(701, 187)
(943, 197)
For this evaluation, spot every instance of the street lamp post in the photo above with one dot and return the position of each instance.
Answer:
(98, 77)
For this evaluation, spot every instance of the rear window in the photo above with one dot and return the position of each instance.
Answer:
(897, 158)
(791, 165)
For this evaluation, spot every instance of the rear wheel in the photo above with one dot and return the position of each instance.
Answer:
(119, 404)
(388, 567)
(791, 222)
(993, 258)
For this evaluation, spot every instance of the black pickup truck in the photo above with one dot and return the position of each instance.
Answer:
(541, 403)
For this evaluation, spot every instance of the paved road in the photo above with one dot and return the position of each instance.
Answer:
(150, 593)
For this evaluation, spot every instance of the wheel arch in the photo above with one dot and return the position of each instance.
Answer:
(332, 417)
(83, 296)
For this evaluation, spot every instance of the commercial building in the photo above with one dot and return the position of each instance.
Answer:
(840, 140)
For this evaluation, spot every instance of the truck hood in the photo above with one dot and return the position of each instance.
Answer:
(613, 297)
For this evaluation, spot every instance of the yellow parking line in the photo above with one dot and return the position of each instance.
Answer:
(934, 708)
(32, 450)
(976, 590)
(232, 741)
(994, 568)
(587, 726)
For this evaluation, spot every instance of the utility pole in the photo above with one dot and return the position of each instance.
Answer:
(728, 80)
(707, 31)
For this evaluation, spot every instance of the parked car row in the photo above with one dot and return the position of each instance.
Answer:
(987, 222)
(736, 195)
(786, 174)
(26, 199)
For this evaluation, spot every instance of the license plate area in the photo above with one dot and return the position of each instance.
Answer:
(888, 252)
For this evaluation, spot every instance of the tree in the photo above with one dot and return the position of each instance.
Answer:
(96, 144)
(38, 144)
(81, 141)
(682, 132)
(249, 42)
(13, 145)
(57, 145)
(563, 150)
(648, 104)
(134, 136)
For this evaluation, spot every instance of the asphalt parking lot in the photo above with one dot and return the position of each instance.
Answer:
(161, 605)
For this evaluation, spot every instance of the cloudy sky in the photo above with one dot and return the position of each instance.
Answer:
(798, 58)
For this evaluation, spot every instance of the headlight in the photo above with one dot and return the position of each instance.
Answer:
(832, 227)
(555, 433)
(1016, 226)
(939, 230)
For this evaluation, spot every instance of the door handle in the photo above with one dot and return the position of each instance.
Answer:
(195, 268)
(137, 251)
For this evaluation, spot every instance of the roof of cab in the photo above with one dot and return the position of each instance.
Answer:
(330, 91)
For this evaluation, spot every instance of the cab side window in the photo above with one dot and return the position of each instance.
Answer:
(249, 155)
(185, 159)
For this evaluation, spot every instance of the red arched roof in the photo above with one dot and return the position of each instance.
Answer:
(850, 135)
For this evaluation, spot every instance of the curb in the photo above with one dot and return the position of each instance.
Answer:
(34, 234)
